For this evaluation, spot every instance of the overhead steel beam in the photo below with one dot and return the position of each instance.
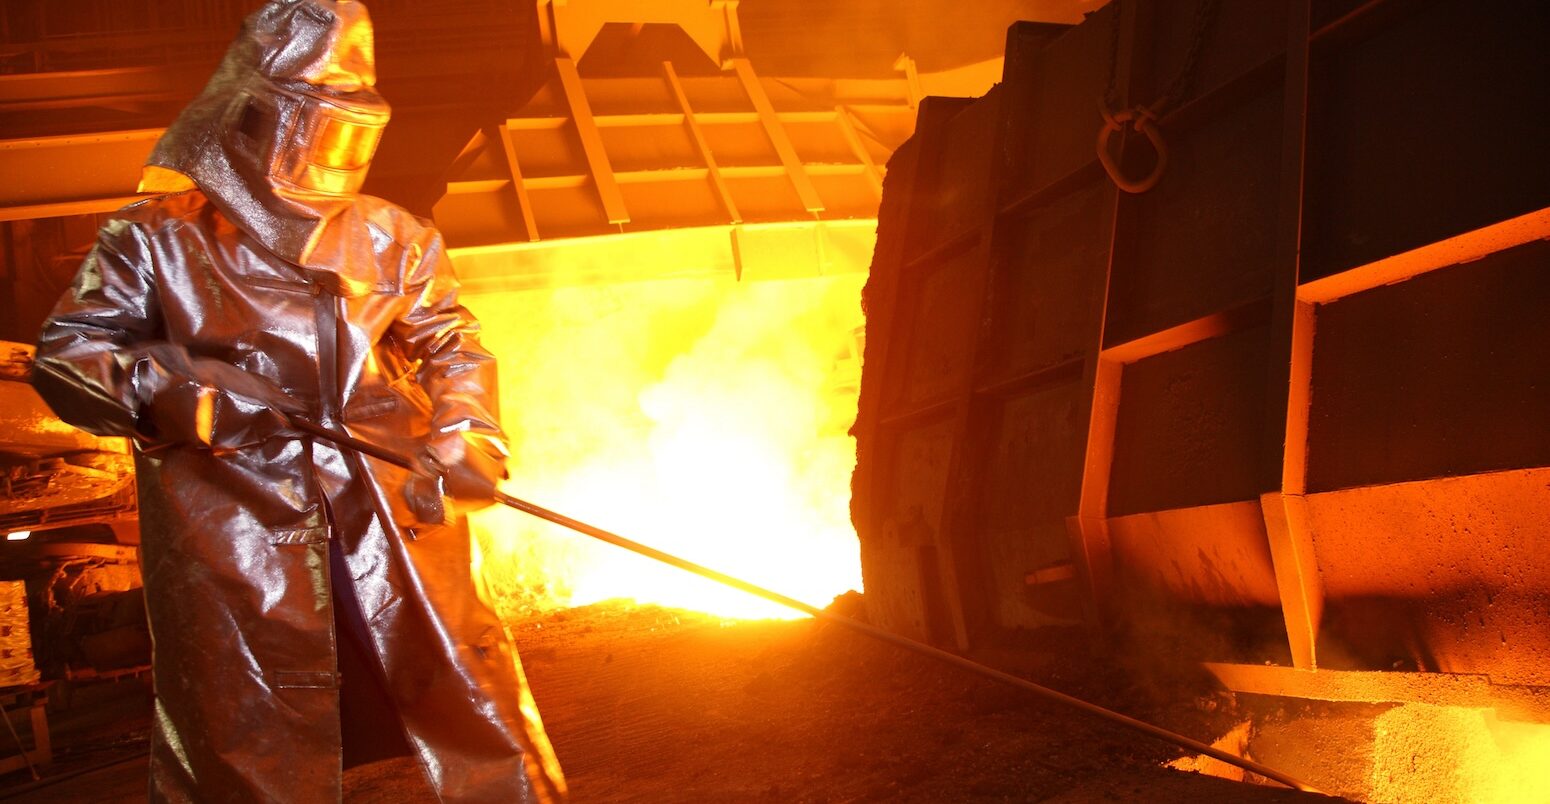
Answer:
(874, 174)
(76, 88)
(524, 201)
(72, 174)
(592, 142)
(776, 131)
(698, 135)
(753, 252)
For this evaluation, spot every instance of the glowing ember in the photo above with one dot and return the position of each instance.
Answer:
(1440, 755)
(1235, 742)
(703, 417)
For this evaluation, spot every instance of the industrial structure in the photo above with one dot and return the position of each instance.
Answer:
(1294, 387)
(1213, 328)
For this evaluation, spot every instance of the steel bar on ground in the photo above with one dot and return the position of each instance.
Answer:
(375, 451)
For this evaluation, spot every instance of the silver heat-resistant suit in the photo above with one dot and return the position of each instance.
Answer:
(259, 284)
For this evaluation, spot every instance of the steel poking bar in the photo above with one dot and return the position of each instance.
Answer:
(380, 453)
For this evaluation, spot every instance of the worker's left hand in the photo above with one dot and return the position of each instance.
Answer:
(463, 467)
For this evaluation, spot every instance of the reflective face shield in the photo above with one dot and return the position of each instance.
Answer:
(339, 146)
(314, 143)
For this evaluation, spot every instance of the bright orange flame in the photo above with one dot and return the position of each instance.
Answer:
(1443, 754)
(705, 417)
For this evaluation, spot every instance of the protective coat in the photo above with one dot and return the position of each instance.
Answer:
(186, 320)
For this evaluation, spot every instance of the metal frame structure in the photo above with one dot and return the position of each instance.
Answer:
(605, 155)
(1024, 344)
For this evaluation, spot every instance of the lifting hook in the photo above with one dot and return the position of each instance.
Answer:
(1144, 120)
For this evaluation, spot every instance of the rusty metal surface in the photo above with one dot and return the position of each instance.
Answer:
(908, 535)
(1353, 446)
(183, 329)
(1215, 217)
(1024, 532)
(1442, 375)
(1227, 563)
(1445, 575)
(1043, 311)
(1368, 200)
(1188, 426)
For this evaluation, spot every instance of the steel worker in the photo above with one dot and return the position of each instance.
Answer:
(260, 286)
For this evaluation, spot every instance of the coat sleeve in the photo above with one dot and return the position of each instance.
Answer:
(105, 366)
(455, 370)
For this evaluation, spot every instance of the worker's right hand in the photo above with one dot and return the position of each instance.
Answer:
(215, 418)
(219, 406)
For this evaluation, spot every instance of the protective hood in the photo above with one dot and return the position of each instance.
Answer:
(282, 136)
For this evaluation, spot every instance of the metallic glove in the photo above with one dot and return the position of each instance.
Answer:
(457, 472)
(217, 405)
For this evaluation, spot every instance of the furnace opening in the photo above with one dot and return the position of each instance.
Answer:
(706, 416)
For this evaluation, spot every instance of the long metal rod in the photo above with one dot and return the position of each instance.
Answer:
(375, 451)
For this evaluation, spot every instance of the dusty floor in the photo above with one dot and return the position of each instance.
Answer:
(652, 705)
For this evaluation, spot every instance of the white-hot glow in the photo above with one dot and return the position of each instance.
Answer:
(705, 417)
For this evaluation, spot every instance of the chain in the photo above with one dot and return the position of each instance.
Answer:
(1143, 119)
(1205, 16)
(1110, 91)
